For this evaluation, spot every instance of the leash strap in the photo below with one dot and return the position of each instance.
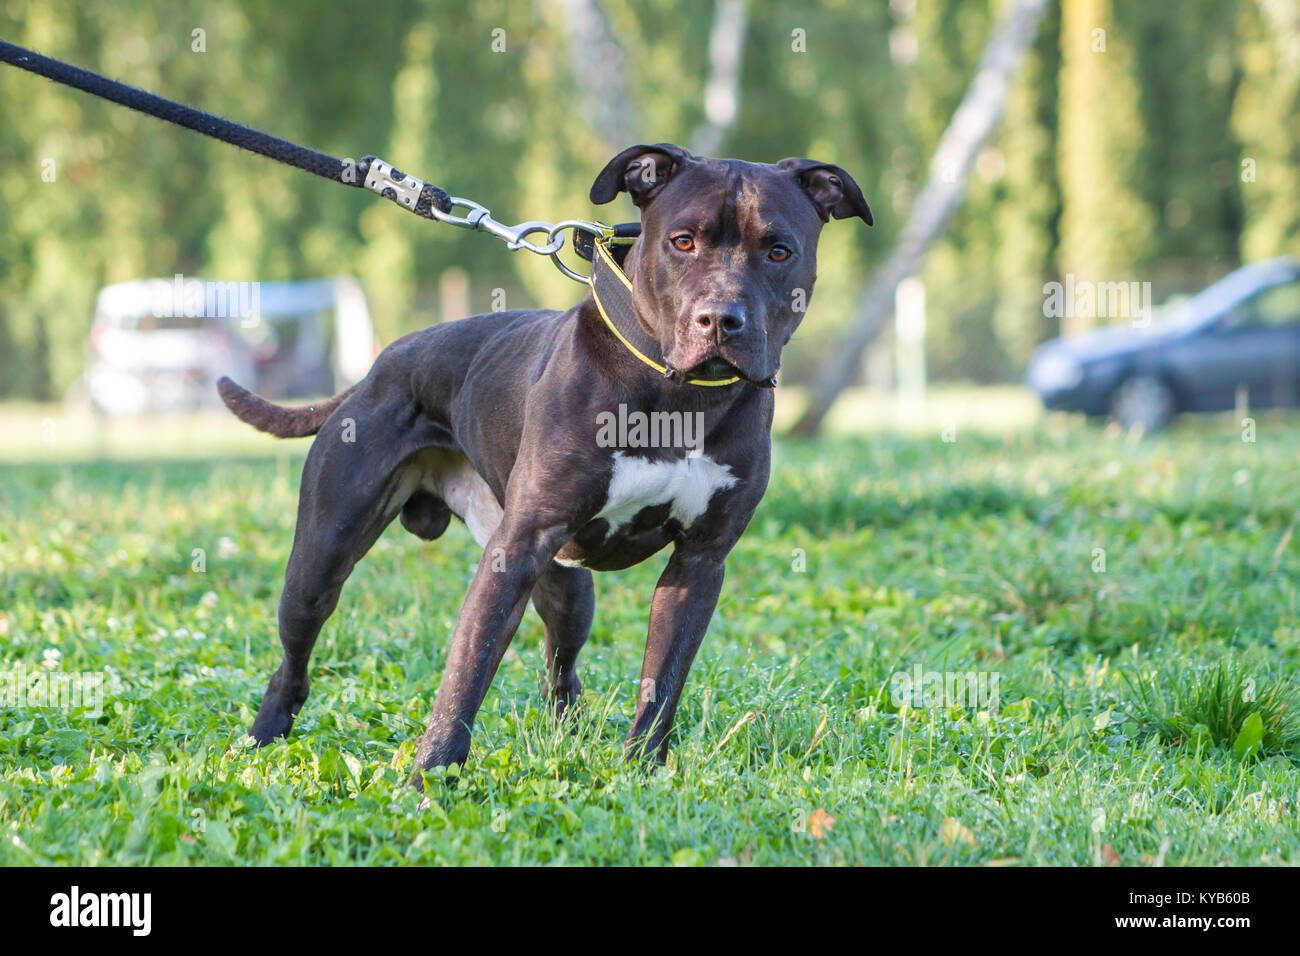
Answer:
(612, 291)
(255, 141)
(423, 199)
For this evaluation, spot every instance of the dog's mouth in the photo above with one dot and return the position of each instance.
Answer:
(708, 361)
(714, 368)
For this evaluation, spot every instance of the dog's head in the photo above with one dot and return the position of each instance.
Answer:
(728, 251)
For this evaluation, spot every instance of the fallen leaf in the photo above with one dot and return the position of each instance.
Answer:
(1109, 855)
(820, 823)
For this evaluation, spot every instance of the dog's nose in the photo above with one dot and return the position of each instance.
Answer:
(723, 319)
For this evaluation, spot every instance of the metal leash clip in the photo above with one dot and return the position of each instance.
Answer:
(515, 236)
(405, 190)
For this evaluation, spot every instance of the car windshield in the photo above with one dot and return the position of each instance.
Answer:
(1218, 298)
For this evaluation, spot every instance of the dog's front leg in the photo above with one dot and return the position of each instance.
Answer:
(512, 561)
(683, 603)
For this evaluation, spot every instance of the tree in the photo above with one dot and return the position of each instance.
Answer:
(971, 126)
(1266, 119)
(722, 91)
(1105, 223)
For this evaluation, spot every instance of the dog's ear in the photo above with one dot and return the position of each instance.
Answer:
(642, 170)
(831, 189)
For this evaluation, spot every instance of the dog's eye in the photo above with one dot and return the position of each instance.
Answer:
(683, 243)
(779, 254)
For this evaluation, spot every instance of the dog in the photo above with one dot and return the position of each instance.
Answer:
(505, 420)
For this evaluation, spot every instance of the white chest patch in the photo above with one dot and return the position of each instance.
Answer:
(687, 484)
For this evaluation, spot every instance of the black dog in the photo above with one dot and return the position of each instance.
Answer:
(571, 441)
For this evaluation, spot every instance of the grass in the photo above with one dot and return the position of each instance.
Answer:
(1222, 704)
(1124, 596)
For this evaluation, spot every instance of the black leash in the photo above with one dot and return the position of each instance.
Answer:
(264, 144)
(415, 195)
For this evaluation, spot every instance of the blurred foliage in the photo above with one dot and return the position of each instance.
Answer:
(1105, 223)
(1115, 165)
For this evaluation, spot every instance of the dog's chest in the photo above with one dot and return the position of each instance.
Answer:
(686, 485)
(645, 497)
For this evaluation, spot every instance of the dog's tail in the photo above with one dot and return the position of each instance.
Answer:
(279, 420)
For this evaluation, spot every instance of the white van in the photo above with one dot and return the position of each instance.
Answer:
(161, 344)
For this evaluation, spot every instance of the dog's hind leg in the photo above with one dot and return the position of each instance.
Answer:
(565, 600)
(351, 491)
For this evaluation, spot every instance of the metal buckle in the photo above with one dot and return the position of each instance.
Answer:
(395, 185)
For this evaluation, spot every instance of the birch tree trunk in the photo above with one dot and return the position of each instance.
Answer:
(599, 73)
(722, 91)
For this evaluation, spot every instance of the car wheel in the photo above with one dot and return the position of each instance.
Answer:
(1143, 401)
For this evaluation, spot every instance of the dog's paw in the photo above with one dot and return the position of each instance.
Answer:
(450, 778)
(270, 723)
(565, 696)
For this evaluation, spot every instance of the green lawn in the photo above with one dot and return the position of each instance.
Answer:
(1145, 712)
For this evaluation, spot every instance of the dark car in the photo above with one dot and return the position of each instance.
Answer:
(1242, 333)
